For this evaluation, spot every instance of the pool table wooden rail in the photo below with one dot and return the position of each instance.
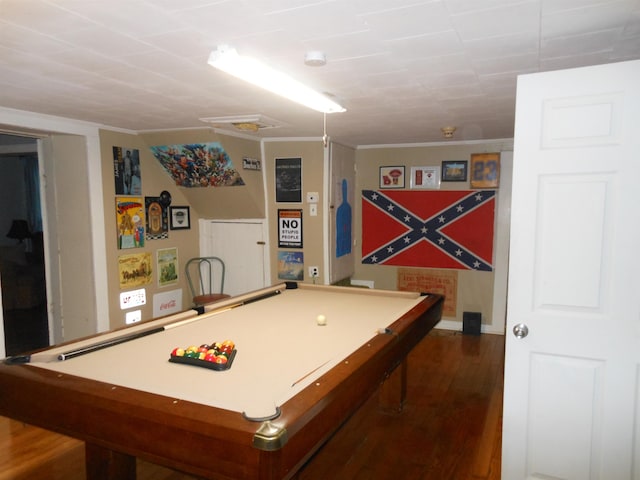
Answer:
(119, 424)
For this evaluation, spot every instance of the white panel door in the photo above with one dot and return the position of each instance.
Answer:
(240, 244)
(571, 384)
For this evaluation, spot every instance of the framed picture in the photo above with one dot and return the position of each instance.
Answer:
(180, 218)
(289, 228)
(454, 170)
(391, 177)
(425, 177)
(289, 180)
(485, 170)
(251, 163)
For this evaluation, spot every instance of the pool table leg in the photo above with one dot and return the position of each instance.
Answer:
(393, 390)
(105, 464)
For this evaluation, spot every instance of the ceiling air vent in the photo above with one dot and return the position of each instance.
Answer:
(245, 124)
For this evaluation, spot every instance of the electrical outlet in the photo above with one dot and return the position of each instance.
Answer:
(314, 272)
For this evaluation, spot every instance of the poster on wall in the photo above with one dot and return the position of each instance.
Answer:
(166, 303)
(444, 282)
(157, 219)
(126, 171)
(289, 180)
(290, 228)
(343, 222)
(434, 229)
(198, 165)
(167, 266)
(130, 220)
(134, 269)
(290, 265)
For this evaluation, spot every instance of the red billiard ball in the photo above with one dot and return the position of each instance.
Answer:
(210, 357)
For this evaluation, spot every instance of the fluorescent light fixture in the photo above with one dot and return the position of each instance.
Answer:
(250, 70)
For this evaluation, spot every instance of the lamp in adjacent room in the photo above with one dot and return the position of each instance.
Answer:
(19, 230)
(250, 70)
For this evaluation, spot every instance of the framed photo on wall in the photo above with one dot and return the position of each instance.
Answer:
(485, 170)
(289, 180)
(425, 177)
(454, 170)
(179, 218)
(392, 177)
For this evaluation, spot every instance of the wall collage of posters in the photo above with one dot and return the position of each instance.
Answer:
(141, 219)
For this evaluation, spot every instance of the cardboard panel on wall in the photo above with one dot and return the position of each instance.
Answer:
(443, 282)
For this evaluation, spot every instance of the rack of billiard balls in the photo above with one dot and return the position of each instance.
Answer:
(214, 355)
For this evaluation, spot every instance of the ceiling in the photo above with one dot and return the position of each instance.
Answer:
(402, 68)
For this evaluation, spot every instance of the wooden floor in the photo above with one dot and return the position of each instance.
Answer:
(450, 427)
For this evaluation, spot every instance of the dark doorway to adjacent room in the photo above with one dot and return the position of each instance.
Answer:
(22, 260)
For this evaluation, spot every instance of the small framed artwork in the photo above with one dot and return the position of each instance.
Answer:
(454, 170)
(425, 177)
(391, 177)
(167, 266)
(251, 163)
(180, 218)
(485, 170)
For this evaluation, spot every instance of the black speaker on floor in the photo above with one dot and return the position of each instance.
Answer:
(471, 323)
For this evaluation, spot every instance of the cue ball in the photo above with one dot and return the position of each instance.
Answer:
(321, 320)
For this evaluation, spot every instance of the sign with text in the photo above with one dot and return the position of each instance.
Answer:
(444, 282)
(290, 228)
(166, 303)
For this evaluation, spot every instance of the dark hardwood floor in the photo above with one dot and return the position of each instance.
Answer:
(450, 427)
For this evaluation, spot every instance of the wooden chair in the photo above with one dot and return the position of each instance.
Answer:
(201, 274)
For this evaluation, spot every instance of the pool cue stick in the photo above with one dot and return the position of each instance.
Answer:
(45, 357)
(133, 336)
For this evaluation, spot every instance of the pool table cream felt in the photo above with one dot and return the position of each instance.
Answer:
(278, 345)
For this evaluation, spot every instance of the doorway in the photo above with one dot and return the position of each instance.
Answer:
(22, 265)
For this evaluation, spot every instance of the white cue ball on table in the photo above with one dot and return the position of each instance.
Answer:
(321, 320)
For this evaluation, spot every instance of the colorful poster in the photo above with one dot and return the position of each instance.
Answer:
(126, 171)
(130, 222)
(167, 266)
(436, 229)
(157, 219)
(291, 266)
(198, 165)
(134, 269)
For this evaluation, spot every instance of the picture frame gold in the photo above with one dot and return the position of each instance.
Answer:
(485, 170)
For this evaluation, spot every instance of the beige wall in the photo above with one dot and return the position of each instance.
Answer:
(312, 154)
(475, 289)
(223, 202)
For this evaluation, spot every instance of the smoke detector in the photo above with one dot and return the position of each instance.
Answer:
(315, 59)
(448, 131)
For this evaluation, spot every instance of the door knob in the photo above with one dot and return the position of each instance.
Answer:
(520, 330)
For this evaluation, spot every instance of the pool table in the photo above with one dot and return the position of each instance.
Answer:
(291, 384)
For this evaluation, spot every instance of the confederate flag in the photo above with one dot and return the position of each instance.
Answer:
(435, 229)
